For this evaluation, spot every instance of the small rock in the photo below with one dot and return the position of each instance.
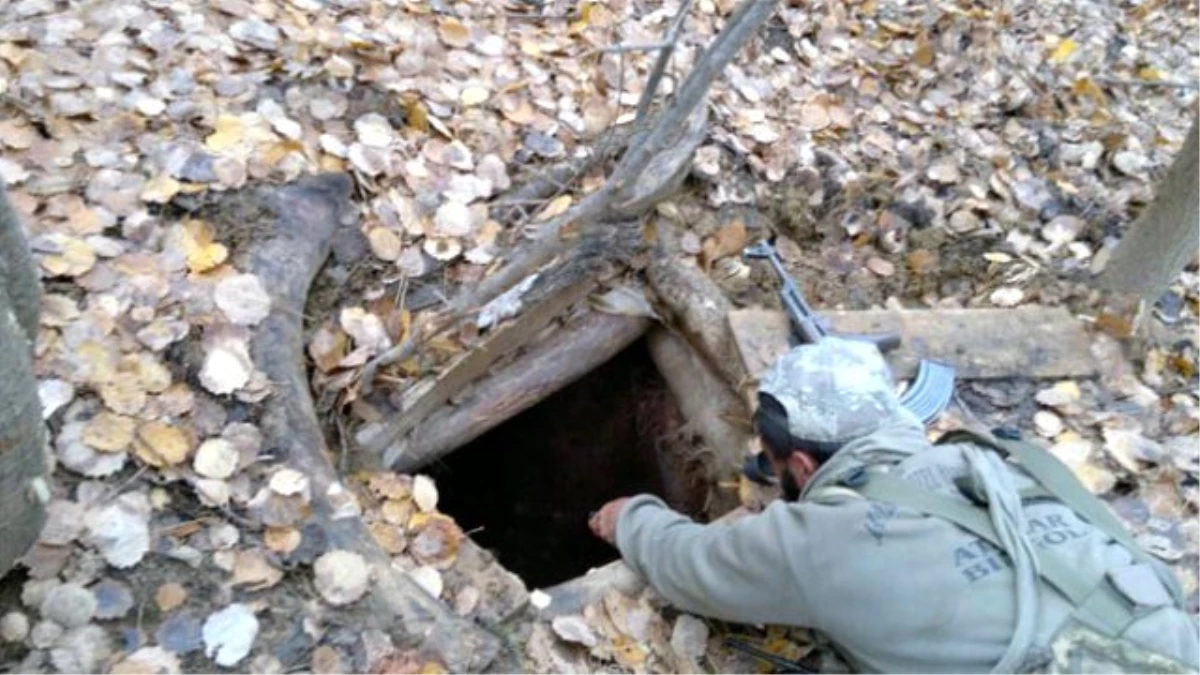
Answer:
(81, 649)
(69, 605)
(14, 627)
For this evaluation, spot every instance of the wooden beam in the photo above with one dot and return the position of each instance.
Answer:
(421, 400)
(547, 366)
(1039, 342)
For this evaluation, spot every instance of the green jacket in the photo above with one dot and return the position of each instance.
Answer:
(895, 590)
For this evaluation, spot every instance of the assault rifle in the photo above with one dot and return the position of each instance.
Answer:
(931, 390)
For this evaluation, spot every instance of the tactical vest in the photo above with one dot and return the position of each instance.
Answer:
(1093, 639)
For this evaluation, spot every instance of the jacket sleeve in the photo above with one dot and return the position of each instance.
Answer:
(746, 571)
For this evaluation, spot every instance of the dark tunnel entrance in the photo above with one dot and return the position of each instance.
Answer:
(524, 490)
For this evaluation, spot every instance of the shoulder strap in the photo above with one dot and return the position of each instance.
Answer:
(1098, 605)
(1061, 482)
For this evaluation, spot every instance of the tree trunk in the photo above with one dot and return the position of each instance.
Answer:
(22, 439)
(1163, 239)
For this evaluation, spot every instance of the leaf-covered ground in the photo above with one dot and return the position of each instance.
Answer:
(943, 153)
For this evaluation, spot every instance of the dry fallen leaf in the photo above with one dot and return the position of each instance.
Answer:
(341, 577)
(1065, 49)
(251, 569)
(229, 132)
(229, 634)
(243, 299)
(203, 253)
(454, 33)
(574, 628)
(109, 432)
(161, 444)
(170, 596)
(424, 493)
(120, 529)
(216, 458)
(385, 244)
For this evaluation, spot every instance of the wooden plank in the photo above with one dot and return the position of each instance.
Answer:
(1040, 342)
(545, 367)
(421, 400)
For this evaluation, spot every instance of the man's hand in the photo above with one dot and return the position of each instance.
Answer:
(604, 521)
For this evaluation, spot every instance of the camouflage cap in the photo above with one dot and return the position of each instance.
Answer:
(834, 391)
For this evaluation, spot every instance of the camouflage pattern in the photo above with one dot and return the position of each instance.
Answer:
(835, 390)
(1079, 649)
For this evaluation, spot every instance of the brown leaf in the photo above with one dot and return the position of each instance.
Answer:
(251, 569)
(1115, 325)
(729, 240)
(923, 55)
(169, 596)
(160, 444)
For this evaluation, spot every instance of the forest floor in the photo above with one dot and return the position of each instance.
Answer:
(942, 154)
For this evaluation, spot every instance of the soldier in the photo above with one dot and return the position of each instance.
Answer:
(972, 554)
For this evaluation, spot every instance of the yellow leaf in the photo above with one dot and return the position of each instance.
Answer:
(229, 131)
(385, 243)
(160, 444)
(454, 33)
(1064, 50)
(160, 189)
(76, 258)
(1084, 87)
(556, 207)
(416, 116)
(923, 56)
(472, 96)
(202, 252)
(585, 17)
(107, 432)
(1150, 73)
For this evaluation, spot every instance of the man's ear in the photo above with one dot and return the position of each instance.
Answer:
(802, 465)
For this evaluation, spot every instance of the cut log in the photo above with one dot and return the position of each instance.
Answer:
(695, 305)
(418, 403)
(547, 366)
(286, 259)
(711, 408)
(1040, 342)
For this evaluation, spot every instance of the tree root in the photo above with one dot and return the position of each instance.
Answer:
(308, 212)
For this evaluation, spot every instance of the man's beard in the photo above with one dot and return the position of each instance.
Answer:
(789, 486)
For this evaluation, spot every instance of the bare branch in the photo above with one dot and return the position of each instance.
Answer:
(660, 66)
(634, 185)
(1138, 82)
